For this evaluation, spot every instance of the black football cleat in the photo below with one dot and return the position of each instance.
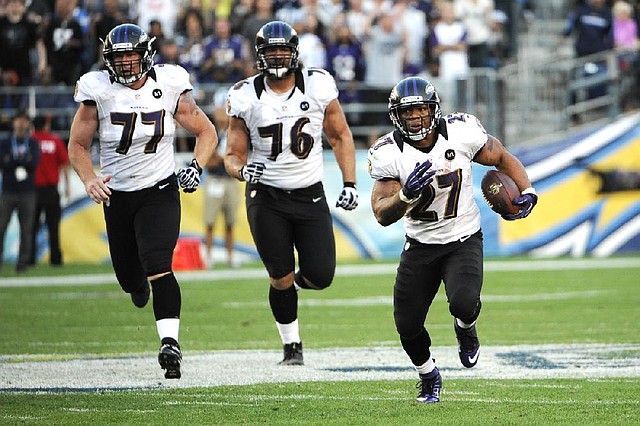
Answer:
(140, 297)
(292, 354)
(170, 358)
(429, 385)
(468, 344)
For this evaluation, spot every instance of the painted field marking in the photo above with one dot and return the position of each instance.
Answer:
(388, 300)
(244, 367)
(341, 270)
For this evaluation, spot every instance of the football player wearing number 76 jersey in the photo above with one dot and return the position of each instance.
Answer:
(274, 144)
(134, 107)
(422, 173)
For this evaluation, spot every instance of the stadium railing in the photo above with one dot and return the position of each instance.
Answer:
(520, 103)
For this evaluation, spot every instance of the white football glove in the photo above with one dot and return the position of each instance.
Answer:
(348, 198)
(252, 172)
(189, 177)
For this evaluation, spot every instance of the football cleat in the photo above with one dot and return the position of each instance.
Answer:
(170, 358)
(429, 385)
(468, 344)
(140, 297)
(292, 354)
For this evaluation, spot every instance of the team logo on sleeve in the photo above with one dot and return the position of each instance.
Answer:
(157, 93)
(450, 154)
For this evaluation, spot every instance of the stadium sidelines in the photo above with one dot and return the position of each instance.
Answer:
(342, 270)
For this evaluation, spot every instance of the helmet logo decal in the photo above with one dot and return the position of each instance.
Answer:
(409, 99)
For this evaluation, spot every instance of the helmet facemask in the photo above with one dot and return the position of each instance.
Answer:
(415, 127)
(277, 65)
(124, 71)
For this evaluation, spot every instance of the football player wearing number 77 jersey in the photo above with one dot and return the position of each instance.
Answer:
(134, 107)
(274, 144)
(422, 173)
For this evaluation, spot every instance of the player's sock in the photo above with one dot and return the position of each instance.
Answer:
(463, 325)
(166, 301)
(289, 333)
(168, 328)
(427, 367)
(284, 304)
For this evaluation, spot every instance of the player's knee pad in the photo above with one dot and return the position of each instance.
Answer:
(318, 281)
(467, 309)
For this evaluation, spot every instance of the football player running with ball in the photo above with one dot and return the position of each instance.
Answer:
(274, 144)
(134, 107)
(422, 173)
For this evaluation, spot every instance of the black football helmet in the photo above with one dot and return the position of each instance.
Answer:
(413, 91)
(277, 33)
(127, 38)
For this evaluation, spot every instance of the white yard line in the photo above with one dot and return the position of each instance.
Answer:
(244, 367)
(342, 270)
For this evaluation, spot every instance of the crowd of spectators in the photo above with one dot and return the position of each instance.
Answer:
(361, 42)
(52, 42)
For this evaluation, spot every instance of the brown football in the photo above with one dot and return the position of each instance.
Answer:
(499, 190)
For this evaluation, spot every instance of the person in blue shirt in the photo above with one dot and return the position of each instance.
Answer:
(592, 24)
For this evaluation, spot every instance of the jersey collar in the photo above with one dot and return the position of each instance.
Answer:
(151, 73)
(259, 83)
(441, 128)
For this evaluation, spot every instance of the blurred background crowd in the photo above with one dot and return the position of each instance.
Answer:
(368, 45)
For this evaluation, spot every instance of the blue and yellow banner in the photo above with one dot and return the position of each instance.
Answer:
(572, 216)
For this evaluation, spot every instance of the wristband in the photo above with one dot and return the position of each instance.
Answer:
(240, 177)
(403, 197)
(349, 184)
(530, 190)
(194, 163)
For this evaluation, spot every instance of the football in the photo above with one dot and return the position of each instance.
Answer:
(498, 191)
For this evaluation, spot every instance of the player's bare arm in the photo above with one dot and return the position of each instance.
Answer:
(195, 121)
(83, 128)
(341, 140)
(493, 153)
(237, 147)
(386, 204)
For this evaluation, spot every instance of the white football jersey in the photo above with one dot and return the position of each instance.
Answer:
(447, 210)
(136, 127)
(285, 130)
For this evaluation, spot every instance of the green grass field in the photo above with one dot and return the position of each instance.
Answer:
(550, 307)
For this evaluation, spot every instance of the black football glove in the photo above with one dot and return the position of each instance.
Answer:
(252, 172)
(417, 180)
(348, 198)
(189, 177)
(527, 202)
